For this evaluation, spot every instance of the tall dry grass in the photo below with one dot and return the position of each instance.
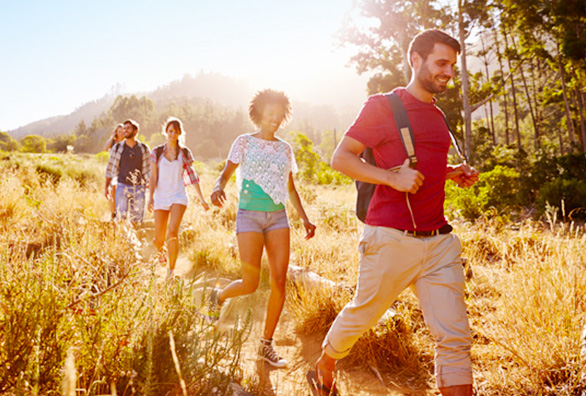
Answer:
(70, 281)
(526, 304)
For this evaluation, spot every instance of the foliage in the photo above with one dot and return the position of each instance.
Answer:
(311, 167)
(305, 156)
(33, 144)
(7, 142)
(566, 194)
(496, 191)
(61, 144)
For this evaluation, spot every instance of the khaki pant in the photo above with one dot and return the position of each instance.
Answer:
(392, 261)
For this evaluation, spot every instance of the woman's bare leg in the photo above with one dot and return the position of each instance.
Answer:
(175, 216)
(277, 244)
(250, 246)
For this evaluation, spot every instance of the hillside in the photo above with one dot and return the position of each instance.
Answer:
(217, 89)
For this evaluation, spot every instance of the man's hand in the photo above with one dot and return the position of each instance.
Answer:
(463, 175)
(107, 193)
(405, 178)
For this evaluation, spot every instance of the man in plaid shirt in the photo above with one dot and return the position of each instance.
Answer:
(129, 162)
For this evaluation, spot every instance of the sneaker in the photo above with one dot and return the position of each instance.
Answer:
(214, 307)
(267, 353)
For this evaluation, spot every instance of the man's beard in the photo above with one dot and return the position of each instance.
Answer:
(428, 81)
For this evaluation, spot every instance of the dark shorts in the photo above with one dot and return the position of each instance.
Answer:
(261, 222)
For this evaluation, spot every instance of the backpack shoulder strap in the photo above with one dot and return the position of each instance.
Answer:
(462, 156)
(119, 147)
(159, 151)
(403, 125)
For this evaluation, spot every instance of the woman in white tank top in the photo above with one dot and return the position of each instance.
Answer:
(171, 171)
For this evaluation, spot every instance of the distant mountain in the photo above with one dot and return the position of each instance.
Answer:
(204, 87)
(64, 125)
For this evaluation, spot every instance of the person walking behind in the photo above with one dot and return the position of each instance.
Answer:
(171, 170)
(406, 240)
(265, 179)
(129, 161)
(117, 136)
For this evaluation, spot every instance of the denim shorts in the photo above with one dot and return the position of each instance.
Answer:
(261, 222)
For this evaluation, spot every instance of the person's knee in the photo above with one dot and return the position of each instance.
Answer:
(279, 282)
(250, 284)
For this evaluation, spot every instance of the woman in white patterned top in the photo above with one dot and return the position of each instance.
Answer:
(265, 179)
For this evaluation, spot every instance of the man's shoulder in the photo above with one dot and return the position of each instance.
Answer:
(144, 146)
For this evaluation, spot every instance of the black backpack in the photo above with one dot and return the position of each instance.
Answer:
(366, 190)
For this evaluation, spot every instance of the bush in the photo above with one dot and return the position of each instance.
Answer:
(569, 194)
(497, 190)
(7, 142)
(327, 175)
(33, 144)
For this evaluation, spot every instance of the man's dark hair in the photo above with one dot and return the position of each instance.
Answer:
(423, 43)
(133, 123)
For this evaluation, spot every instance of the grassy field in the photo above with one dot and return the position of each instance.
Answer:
(83, 310)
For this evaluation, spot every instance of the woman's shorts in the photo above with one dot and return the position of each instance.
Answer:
(161, 204)
(257, 221)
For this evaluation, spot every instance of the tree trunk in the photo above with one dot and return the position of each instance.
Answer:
(506, 110)
(580, 107)
(571, 130)
(405, 50)
(490, 124)
(529, 102)
(465, 83)
(582, 114)
(514, 93)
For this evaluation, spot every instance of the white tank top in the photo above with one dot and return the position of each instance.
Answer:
(170, 186)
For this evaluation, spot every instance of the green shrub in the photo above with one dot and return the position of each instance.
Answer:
(495, 190)
(567, 193)
(327, 175)
(102, 157)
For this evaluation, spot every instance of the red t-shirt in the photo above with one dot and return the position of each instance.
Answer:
(375, 127)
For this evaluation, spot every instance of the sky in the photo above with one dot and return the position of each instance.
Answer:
(58, 55)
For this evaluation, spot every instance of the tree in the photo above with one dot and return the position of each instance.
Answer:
(383, 41)
(305, 156)
(33, 144)
(7, 142)
(61, 143)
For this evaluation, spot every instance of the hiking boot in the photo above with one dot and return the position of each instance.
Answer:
(267, 353)
(214, 307)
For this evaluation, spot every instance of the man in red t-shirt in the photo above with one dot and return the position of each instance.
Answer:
(406, 240)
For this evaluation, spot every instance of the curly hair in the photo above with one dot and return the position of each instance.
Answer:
(424, 42)
(264, 98)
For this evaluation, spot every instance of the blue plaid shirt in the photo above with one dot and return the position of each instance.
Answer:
(113, 166)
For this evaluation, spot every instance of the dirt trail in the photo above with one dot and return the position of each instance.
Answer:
(300, 351)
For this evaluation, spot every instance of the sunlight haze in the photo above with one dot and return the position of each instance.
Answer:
(63, 54)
